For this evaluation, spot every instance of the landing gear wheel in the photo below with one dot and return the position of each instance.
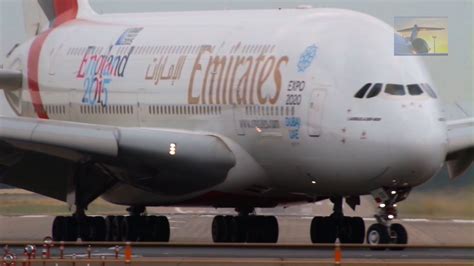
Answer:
(92, 229)
(272, 229)
(99, 228)
(399, 235)
(377, 234)
(242, 229)
(71, 229)
(323, 230)
(110, 229)
(352, 230)
(219, 234)
(64, 229)
(117, 228)
(59, 228)
(157, 229)
(130, 228)
(358, 229)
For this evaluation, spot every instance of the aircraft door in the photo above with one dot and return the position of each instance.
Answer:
(315, 113)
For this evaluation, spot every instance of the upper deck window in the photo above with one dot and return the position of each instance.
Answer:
(376, 89)
(361, 93)
(429, 90)
(414, 89)
(395, 89)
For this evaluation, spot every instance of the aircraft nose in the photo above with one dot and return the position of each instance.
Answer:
(417, 153)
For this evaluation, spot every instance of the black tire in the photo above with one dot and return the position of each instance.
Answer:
(257, 229)
(117, 228)
(345, 232)
(71, 233)
(272, 229)
(59, 228)
(330, 226)
(242, 231)
(86, 229)
(358, 227)
(377, 234)
(316, 232)
(98, 228)
(164, 229)
(219, 234)
(232, 229)
(400, 236)
(131, 228)
(151, 230)
(323, 230)
(110, 228)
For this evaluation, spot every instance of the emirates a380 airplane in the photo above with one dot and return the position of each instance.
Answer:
(238, 109)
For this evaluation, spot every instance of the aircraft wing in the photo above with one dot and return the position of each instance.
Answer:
(429, 28)
(406, 30)
(36, 152)
(420, 29)
(461, 146)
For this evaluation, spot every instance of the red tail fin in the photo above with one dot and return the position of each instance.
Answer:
(59, 11)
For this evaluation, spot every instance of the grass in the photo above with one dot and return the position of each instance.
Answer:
(452, 203)
(19, 202)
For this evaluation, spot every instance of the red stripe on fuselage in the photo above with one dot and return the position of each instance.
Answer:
(33, 74)
(65, 10)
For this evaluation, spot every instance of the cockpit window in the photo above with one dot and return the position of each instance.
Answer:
(376, 89)
(361, 93)
(429, 90)
(414, 89)
(395, 89)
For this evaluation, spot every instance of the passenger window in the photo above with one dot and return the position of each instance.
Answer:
(395, 89)
(361, 93)
(429, 90)
(376, 89)
(414, 89)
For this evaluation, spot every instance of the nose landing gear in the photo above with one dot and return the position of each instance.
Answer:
(384, 231)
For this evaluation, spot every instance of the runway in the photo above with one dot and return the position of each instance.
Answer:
(294, 242)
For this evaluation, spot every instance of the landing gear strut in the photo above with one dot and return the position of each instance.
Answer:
(347, 229)
(245, 228)
(135, 227)
(384, 231)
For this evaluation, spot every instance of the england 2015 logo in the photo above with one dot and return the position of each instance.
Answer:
(99, 66)
(307, 58)
(97, 70)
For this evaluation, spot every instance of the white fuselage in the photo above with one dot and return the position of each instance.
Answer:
(279, 83)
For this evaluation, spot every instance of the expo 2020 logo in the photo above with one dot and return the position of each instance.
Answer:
(307, 58)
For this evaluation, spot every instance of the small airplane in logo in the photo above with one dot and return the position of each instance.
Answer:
(420, 46)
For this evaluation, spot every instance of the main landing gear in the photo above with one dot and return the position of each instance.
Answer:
(349, 230)
(384, 231)
(245, 228)
(135, 227)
